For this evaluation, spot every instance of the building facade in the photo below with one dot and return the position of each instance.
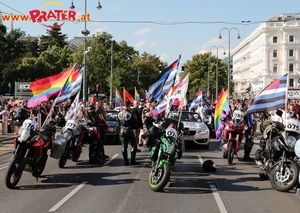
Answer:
(270, 51)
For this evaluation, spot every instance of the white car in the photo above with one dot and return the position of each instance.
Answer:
(199, 133)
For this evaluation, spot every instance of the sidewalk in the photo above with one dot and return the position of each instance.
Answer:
(7, 137)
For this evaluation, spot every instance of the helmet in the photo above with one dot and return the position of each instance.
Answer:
(209, 166)
(238, 117)
(60, 120)
(20, 114)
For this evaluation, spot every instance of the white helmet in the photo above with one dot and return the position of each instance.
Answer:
(237, 117)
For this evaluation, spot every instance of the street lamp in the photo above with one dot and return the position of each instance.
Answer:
(207, 94)
(85, 32)
(9, 85)
(217, 71)
(229, 60)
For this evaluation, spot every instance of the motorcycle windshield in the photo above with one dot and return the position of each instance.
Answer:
(25, 134)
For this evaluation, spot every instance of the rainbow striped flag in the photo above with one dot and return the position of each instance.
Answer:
(136, 95)
(222, 104)
(118, 99)
(47, 87)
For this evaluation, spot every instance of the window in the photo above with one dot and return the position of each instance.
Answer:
(274, 53)
(291, 38)
(291, 83)
(291, 52)
(275, 68)
(291, 67)
(275, 39)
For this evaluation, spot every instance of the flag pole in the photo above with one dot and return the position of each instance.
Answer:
(54, 102)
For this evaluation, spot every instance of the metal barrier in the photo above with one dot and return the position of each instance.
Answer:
(15, 129)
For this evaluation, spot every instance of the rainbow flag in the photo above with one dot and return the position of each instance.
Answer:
(136, 95)
(222, 104)
(118, 99)
(44, 88)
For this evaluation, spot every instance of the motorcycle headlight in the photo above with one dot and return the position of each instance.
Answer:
(170, 148)
(291, 141)
(67, 135)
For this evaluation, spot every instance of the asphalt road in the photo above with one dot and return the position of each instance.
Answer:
(114, 188)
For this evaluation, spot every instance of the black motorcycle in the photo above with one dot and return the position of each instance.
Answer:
(276, 157)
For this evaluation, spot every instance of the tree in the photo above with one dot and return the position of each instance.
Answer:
(199, 67)
(54, 37)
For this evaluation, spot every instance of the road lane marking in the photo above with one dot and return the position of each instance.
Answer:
(200, 160)
(218, 199)
(54, 208)
(3, 166)
(110, 160)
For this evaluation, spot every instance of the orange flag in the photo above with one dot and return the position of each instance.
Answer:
(127, 95)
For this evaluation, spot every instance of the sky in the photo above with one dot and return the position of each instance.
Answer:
(162, 27)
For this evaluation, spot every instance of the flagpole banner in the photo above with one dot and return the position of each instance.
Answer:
(136, 95)
(44, 88)
(73, 110)
(127, 95)
(72, 86)
(118, 99)
(196, 101)
(222, 104)
(157, 89)
(180, 92)
(273, 97)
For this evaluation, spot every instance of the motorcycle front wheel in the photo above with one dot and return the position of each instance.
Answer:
(62, 160)
(13, 176)
(230, 153)
(286, 179)
(158, 181)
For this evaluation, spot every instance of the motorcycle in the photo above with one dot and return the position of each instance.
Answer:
(72, 136)
(30, 151)
(276, 156)
(163, 157)
(234, 132)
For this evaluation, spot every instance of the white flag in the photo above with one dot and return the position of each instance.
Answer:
(73, 111)
(180, 92)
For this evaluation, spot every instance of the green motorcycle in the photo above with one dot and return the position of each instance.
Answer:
(163, 157)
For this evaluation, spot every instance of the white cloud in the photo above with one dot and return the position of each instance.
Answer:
(212, 45)
(142, 31)
(116, 7)
(164, 57)
(100, 29)
(154, 44)
(141, 44)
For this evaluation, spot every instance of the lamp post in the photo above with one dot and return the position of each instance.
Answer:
(111, 74)
(229, 60)
(207, 94)
(85, 32)
(217, 71)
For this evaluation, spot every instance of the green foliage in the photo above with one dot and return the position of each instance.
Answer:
(54, 37)
(199, 67)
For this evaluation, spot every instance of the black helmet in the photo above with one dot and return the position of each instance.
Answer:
(20, 114)
(60, 120)
(209, 166)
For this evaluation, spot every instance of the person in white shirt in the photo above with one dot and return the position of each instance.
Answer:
(201, 111)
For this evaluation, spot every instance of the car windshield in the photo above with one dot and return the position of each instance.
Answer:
(185, 116)
(111, 115)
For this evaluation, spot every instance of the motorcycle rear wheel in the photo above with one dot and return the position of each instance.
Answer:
(286, 180)
(159, 181)
(230, 153)
(11, 178)
(62, 160)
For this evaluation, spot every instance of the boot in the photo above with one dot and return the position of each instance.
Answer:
(247, 155)
(133, 153)
(124, 153)
(92, 159)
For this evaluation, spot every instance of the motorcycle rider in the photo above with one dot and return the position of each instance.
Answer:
(127, 122)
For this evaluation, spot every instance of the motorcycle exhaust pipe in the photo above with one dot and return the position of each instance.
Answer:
(260, 164)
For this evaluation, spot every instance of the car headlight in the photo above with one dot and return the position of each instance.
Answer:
(202, 132)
